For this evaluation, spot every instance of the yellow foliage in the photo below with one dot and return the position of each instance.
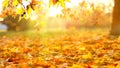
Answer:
(29, 10)
(62, 2)
(15, 2)
(19, 9)
(5, 3)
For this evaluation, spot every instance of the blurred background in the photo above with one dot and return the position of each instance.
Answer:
(76, 14)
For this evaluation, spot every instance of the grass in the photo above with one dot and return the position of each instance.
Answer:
(55, 33)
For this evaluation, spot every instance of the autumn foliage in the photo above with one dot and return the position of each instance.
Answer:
(88, 15)
(77, 48)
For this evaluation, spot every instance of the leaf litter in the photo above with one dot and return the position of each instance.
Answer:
(67, 51)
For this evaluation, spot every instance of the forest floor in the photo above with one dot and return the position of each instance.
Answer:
(59, 49)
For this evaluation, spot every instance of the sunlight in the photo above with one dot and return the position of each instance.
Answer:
(53, 11)
(34, 16)
(1, 5)
(105, 2)
(72, 3)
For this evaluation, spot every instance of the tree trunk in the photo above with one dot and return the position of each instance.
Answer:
(13, 24)
(115, 26)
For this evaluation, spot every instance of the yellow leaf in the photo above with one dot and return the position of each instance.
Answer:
(5, 3)
(110, 66)
(19, 9)
(29, 11)
(118, 66)
(66, 47)
(50, 3)
(76, 66)
(14, 49)
(87, 56)
(118, 38)
(46, 51)
(81, 48)
(62, 2)
(67, 0)
(15, 3)
(94, 66)
(52, 66)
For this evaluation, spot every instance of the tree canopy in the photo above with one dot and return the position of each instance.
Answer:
(25, 7)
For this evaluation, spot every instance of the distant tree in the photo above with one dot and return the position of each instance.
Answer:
(13, 23)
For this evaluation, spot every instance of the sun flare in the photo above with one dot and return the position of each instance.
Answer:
(53, 11)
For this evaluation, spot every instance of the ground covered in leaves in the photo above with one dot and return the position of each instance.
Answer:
(72, 50)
